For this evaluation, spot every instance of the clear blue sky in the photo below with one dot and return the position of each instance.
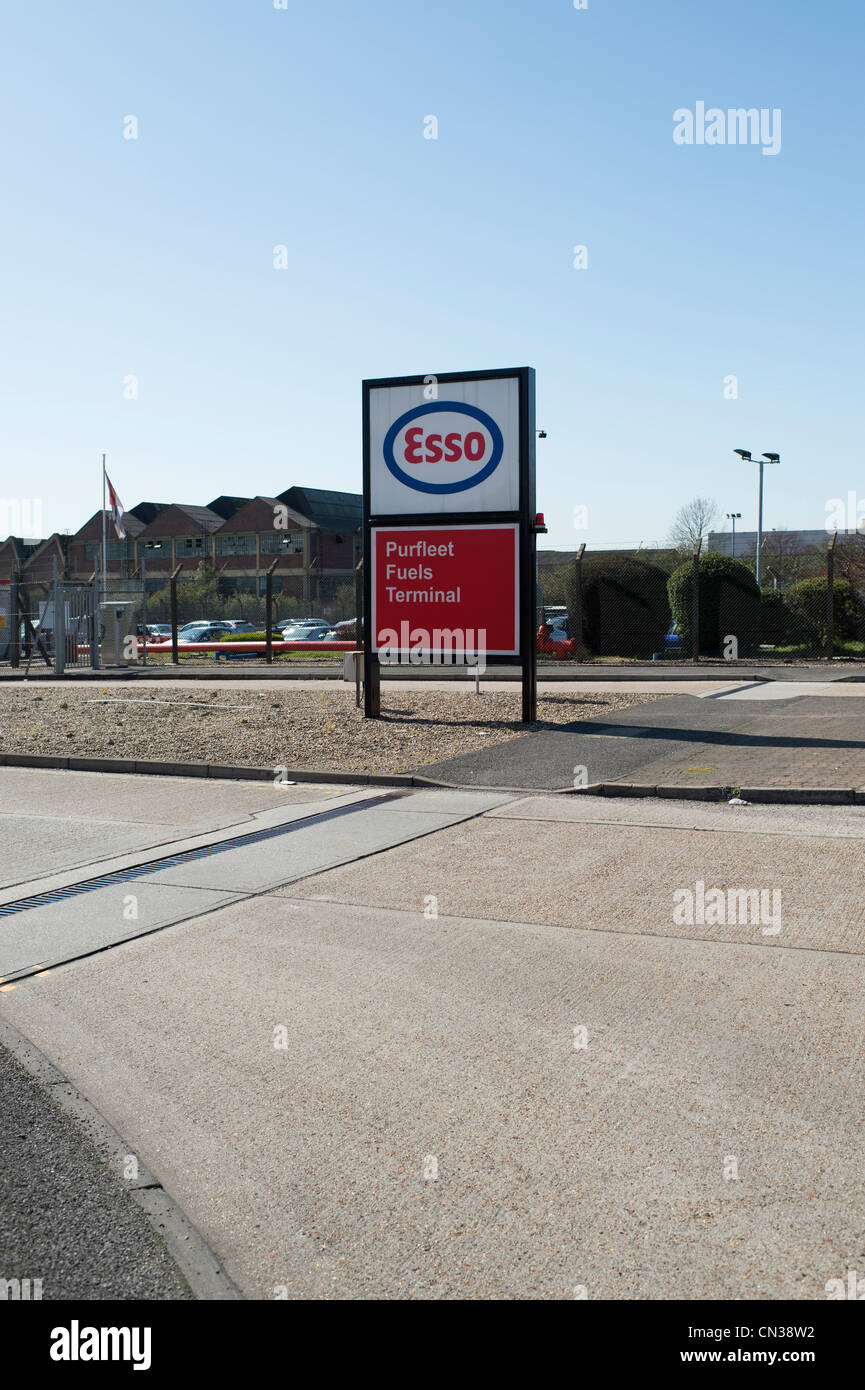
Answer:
(305, 127)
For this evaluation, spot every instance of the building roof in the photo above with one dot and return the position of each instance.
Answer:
(330, 511)
(178, 519)
(22, 547)
(92, 529)
(258, 515)
(790, 542)
(227, 506)
(146, 511)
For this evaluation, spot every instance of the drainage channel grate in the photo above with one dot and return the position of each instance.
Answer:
(190, 856)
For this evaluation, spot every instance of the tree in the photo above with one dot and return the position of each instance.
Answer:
(693, 523)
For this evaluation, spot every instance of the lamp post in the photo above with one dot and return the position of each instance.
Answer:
(734, 517)
(745, 455)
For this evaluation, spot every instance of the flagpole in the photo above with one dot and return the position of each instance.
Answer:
(104, 545)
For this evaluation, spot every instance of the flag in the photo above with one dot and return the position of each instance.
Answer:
(117, 512)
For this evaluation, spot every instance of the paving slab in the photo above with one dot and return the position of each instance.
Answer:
(42, 936)
(618, 878)
(309, 849)
(669, 814)
(48, 921)
(55, 820)
(429, 1128)
(812, 742)
(189, 802)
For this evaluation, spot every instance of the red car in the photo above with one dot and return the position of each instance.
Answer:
(558, 648)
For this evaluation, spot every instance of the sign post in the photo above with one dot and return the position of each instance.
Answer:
(449, 524)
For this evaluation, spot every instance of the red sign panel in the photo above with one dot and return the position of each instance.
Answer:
(445, 588)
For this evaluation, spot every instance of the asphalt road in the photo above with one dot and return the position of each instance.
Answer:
(459, 1045)
(766, 735)
(66, 1219)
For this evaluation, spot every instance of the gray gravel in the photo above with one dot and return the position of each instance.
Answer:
(295, 728)
(66, 1220)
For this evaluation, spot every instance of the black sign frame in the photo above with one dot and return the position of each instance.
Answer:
(524, 517)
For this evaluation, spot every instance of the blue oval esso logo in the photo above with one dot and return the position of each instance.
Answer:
(434, 454)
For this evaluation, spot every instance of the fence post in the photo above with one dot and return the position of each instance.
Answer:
(268, 610)
(15, 634)
(695, 601)
(59, 623)
(95, 626)
(830, 598)
(175, 659)
(578, 600)
(358, 628)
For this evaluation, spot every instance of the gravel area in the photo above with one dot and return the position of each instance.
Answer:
(272, 728)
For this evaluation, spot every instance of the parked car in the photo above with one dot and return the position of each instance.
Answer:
(185, 633)
(206, 622)
(206, 633)
(558, 648)
(557, 618)
(303, 622)
(159, 631)
(303, 633)
(213, 633)
(238, 625)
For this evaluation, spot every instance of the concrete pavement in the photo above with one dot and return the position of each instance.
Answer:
(480, 1056)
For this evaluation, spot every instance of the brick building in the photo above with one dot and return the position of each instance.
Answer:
(313, 534)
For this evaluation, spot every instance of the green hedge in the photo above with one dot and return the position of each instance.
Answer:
(807, 601)
(625, 608)
(730, 604)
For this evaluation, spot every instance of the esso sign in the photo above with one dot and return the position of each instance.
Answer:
(451, 452)
(442, 447)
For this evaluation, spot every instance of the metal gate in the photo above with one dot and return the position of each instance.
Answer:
(76, 640)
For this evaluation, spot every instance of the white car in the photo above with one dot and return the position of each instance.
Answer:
(203, 622)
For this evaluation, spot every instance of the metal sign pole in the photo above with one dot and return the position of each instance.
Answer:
(143, 609)
(528, 550)
(358, 629)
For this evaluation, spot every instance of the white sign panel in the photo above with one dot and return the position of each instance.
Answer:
(456, 450)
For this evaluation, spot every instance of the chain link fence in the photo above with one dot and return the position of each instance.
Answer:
(662, 605)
